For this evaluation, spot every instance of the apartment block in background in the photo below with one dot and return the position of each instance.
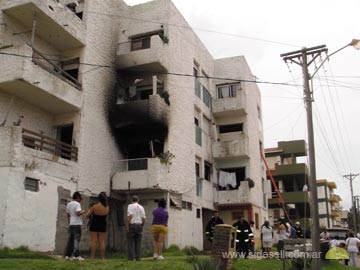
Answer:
(287, 166)
(329, 204)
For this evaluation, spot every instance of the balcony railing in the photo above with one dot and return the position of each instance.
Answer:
(40, 60)
(39, 141)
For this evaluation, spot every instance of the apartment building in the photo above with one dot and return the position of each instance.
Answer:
(291, 176)
(101, 96)
(329, 204)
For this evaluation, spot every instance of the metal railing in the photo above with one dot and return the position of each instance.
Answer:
(39, 141)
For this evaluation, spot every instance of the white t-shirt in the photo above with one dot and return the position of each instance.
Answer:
(334, 243)
(137, 213)
(266, 234)
(71, 209)
(352, 244)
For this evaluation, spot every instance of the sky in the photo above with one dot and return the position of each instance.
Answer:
(261, 30)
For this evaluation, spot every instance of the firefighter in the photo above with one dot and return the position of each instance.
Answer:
(214, 220)
(243, 236)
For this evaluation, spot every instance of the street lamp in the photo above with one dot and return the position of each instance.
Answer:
(300, 57)
(355, 43)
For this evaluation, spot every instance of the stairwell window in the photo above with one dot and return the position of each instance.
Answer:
(226, 90)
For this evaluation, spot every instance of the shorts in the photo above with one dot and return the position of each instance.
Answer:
(159, 230)
(267, 244)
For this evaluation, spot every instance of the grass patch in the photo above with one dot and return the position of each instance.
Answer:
(22, 252)
(175, 259)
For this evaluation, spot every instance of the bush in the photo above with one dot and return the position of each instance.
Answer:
(174, 250)
(206, 263)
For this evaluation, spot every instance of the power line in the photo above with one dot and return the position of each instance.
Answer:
(163, 73)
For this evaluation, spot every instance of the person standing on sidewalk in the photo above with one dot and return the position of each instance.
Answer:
(134, 227)
(352, 247)
(74, 212)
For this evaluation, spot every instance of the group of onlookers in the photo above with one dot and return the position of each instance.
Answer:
(97, 216)
(136, 218)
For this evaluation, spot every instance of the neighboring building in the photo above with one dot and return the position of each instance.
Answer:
(344, 214)
(291, 177)
(329, 204)
(128, 104)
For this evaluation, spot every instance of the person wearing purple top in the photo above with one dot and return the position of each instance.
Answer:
(159, 228)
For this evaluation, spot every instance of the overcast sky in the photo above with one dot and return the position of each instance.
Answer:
(261, 30)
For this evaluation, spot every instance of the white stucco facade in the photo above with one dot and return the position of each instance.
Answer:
(99, 52)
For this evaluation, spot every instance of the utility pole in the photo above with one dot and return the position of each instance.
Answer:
(351, 177)
(305, 58)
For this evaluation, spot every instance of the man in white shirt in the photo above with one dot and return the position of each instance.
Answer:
(134, 226)
(74, 212)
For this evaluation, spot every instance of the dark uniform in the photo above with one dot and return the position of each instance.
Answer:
(243, 236)
(209, 233)
(299, 232)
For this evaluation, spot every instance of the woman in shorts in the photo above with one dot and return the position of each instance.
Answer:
(159, 228)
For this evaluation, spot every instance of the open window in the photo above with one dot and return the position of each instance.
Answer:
(64, 134)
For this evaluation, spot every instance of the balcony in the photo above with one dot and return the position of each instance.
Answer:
(230, 106)
(238, 148)
(18, 145)
(133, 119)
(38, 83)
(290, 169)
(334, 198)
(135, 174)
(152, 59)
(55, 24)
(241, 195)
(292, 198)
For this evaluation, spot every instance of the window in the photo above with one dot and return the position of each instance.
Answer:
(197, 169)
(259, 112)
(197, 83)
(198, 133)
(226, 90)
(186, 205)
(206, 97)
(231, 128)
(257, 221)
(140, 43)
(198, 213)
(207, 171)
(31, 184)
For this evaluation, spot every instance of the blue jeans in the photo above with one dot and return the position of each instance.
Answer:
(73, 243)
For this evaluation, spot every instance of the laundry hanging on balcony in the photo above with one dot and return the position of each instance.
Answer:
(227, 179)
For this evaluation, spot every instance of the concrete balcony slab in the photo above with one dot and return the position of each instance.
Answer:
(21, 77)
(55, 23)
